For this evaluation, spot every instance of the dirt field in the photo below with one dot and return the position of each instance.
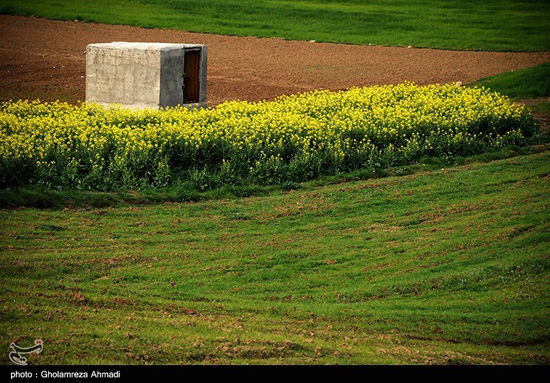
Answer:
(45, 59)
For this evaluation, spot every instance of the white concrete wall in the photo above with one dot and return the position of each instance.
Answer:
(140, 75)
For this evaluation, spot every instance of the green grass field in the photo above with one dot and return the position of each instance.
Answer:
(521, 84)
(445, 266)
(455, 24)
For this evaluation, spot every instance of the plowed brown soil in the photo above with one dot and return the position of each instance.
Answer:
(45, 59)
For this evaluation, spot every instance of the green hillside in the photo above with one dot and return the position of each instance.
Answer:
(446, 266)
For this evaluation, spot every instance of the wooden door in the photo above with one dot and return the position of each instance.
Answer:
(191, 78)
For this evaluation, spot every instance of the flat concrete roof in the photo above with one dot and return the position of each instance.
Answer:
(144, 46)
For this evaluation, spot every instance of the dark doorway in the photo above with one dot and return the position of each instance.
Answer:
(191, 78)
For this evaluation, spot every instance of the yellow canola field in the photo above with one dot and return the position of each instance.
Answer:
(292, 138)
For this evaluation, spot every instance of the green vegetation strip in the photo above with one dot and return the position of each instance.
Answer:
(452, 24)
(446, 266)
(521, 84)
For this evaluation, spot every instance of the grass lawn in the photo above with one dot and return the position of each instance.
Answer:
(443, 266)
(521, 84)
(500, 25)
